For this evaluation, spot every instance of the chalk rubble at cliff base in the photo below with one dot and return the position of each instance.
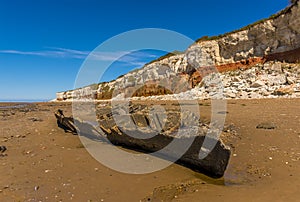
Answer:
(269, 80)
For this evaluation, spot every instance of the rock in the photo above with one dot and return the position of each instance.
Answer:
(291, 80)
(254, 95)
(257, 84)
(243, 95)
(266, 125)
(279, 79)
(264, 92)
(236, 79)
(34, 119)
(2, 149)
(236, 84)
(230, 128)
(276, 67)
(288, 90)
(230, 95)
(20, 136)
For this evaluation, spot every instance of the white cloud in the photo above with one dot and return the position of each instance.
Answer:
(134, 58)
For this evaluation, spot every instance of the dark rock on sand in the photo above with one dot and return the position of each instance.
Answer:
(266, 125)
(2, 149)
(35, 119)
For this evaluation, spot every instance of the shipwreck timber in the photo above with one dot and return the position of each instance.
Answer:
(137, 129)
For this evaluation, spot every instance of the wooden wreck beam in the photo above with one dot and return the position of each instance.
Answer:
(213, 165)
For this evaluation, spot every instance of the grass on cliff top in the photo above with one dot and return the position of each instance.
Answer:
(274, 16)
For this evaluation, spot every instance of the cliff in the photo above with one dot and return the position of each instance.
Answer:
(273, 39)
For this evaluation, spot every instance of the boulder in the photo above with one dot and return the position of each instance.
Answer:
(230, 95)
(257, 84)
(291, 80)
(288, 90)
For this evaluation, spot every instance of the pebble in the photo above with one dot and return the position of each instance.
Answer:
(266, 125)
(20, 136)
(28, 152)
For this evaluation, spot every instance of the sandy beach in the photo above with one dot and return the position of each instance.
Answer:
(43, 163)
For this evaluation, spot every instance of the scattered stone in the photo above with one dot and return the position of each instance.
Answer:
(288, 90)
(34, 119)
(27, 152)
(257, 84)
(254, 95)
(231, 128)
(231, 95)
(223, 112)
(266, 125)
(291, 80)
(20, 136)
(276, 67)
(3, 149)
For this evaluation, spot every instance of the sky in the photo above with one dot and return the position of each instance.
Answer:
(43, 43)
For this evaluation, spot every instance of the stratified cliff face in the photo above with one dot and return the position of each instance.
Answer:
(275, 39)
(272, 36)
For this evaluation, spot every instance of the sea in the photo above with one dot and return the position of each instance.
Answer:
(25, 100)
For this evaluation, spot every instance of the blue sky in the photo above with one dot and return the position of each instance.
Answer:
(43, 43)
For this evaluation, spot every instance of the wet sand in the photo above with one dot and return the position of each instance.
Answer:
(43, 163)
